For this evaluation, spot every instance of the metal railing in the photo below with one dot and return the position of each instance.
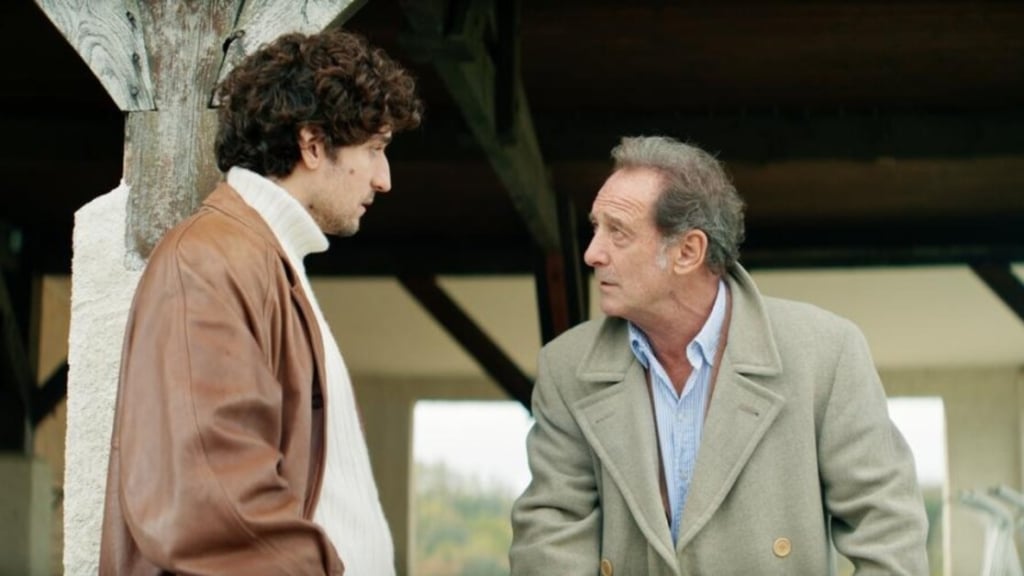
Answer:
(1002, 511)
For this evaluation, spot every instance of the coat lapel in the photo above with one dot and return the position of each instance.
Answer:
(741, 409)
(619, 424)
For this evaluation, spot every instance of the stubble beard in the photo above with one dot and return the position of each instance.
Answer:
(344, 229)
(335, 224)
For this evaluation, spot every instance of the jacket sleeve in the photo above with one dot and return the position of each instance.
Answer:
(556, 522)
(870, 486)
(201, 423)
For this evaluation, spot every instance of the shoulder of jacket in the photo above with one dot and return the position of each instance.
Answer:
(789, 316)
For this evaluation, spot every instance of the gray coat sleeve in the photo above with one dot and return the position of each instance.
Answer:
(867, 471)
(556, 521)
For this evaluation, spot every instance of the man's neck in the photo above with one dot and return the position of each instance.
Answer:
(671, 331)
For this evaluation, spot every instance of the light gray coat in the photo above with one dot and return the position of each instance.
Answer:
(797, 445)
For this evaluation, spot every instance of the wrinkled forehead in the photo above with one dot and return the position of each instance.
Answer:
(629, 193)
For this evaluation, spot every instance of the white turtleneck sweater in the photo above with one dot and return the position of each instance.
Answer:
(349, 509)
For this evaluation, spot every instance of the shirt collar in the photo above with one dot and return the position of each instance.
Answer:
(705, 344)
(290, 222)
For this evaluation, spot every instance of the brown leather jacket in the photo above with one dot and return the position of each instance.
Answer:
(217, 449)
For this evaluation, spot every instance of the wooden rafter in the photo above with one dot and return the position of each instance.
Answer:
(16, 377)
(465, 331)
(486, 86)
(502, 126)
(1001, 279)
(45, 398)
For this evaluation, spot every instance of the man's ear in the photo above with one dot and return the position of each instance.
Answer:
(311, 148)
(690, 251)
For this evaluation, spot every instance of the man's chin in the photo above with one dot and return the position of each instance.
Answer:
(609, 309)
(343, 231)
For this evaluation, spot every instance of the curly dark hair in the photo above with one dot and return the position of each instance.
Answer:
(333, 83)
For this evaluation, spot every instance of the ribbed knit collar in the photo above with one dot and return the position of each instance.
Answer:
(295, 229)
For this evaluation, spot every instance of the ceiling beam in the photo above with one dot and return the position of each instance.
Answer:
(466, 332)
(261, 21)
(751, 137)
(755, 136)
(109, 37)
(561, 284)
(45, 398)
(776, 247)
(16, 377)
(1006, 285)
(486, 87)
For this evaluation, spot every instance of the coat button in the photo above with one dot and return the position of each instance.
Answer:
(782, 547)
(606, 567)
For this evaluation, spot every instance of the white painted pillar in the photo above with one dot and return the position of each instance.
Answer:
(102, 287)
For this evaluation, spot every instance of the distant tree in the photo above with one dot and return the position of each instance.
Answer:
(462, 524)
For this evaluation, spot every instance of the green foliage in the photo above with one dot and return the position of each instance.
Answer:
(462, 524)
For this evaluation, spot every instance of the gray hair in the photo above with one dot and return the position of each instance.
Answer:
(697, 194)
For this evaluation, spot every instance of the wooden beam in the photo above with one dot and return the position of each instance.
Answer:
(1006, 285)
(470, 73)
(107, 34)
(792, 135)
(465, 331)
(261, 21)
(507, 74)
(766, 248)
(553, 304)
(45, 398)
(16, 378)
(562, 292)
(168, 164)
(365, 256)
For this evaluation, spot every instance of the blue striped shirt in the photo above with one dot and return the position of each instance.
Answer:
(680, 417)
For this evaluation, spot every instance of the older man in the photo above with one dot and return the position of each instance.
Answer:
(702, 428)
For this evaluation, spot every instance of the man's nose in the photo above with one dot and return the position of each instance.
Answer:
(381, 180)
(595, 255)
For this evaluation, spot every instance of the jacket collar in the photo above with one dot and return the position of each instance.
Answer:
(226, 200)
(751, 348)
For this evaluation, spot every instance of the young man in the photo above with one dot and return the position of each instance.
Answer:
(237, 447)
(702, 428)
